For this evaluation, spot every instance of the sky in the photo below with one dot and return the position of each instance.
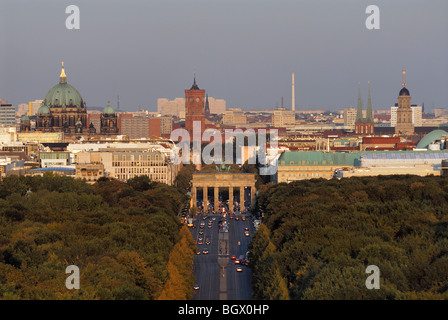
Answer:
(243, 51)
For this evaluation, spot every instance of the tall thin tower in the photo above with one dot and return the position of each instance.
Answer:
(293, 102)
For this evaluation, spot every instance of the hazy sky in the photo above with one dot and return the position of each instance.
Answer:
(242, 51)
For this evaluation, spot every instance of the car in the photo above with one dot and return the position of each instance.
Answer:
(246, 233)
(243, 218)
(237, 261)
(237, 218)
(205, 251)
(199, 252)
(233, 257)
(207, 242)
(239, 269)
(196, 286)
(201, 232)
(200, 243)
(246, 229)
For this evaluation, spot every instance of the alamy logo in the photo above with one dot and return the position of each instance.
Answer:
(262, 144)
(72, 21)
(72, 281)
(373, 281)
(373, 20)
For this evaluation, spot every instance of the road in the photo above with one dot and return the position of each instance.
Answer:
(218, 279)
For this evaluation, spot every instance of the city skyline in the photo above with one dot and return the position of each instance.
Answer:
(145, 51)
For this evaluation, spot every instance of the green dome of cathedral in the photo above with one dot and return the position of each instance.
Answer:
(63, 94)
(108, 109)
(43, 110)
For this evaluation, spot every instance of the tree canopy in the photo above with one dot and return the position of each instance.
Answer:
(326, 232)
(122, 236)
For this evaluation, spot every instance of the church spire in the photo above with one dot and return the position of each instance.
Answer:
(63, 77)
(404, 78)
(207, 107)
(359, 117)
(369, 115)
(194, 86)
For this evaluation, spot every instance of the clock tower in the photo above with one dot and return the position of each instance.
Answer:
(194, 108)
(404, 111)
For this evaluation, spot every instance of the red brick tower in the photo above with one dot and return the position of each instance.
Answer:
(194, 108)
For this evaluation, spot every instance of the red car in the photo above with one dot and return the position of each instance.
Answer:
(233, 257)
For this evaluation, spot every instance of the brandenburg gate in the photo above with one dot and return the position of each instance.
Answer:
(218, 180)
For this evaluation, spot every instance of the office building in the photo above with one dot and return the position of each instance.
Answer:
(135, 127)
(234, 117)
(126, 163)
(7, 114)
(283, 118)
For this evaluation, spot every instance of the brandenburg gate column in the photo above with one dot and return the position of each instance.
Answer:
(216, 199)
(205, 193)
(231, 199)
(241, 198)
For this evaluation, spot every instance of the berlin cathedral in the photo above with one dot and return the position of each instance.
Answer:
(64, 110)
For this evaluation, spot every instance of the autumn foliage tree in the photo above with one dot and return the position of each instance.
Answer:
(179, 285)
(125, 238)
(322, 234)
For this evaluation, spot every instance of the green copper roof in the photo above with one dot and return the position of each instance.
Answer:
(63, 94)
(108, 110)
(431, 137)
(353, 159)
(43, 109)
(319, 158)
